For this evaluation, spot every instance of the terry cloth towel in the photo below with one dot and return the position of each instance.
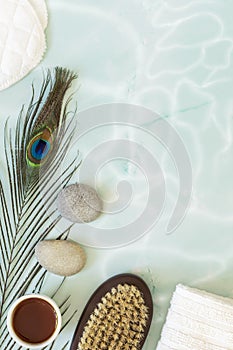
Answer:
(22, 38)
(197, 320)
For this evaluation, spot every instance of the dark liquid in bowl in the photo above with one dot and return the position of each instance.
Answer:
(34, 320)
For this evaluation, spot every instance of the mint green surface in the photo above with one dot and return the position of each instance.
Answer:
(175, 58)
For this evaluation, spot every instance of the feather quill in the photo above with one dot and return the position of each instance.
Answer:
(33, 153)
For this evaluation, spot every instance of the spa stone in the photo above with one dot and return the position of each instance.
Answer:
(79, 203)
(61, 257)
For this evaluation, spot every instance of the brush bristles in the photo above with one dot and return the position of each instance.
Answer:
(118, 321)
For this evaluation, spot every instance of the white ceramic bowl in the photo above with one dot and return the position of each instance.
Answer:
(11, 328)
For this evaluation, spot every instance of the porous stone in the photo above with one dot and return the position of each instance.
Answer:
(79, 203)
(61, 257)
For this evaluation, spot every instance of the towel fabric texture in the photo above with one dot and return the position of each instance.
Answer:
(197, 320)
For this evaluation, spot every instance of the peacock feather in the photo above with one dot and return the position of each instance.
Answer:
(34, 151)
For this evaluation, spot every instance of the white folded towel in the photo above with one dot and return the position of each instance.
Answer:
(197, 320)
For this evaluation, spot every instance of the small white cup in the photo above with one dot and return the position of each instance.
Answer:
(10, 317)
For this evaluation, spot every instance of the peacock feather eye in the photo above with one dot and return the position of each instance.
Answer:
(39, 147)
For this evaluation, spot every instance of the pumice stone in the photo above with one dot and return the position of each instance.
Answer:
(61, 257)
(79, 203)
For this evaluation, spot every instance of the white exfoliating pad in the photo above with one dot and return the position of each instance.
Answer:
(22, 40)
(198, 320)
(40, 9)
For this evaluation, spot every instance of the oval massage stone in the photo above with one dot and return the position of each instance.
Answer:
(79, 203)
(61, 257)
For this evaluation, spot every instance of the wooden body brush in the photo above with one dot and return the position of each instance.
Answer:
(117, 316)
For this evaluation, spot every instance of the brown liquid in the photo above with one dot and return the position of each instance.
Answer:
(34, 320)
